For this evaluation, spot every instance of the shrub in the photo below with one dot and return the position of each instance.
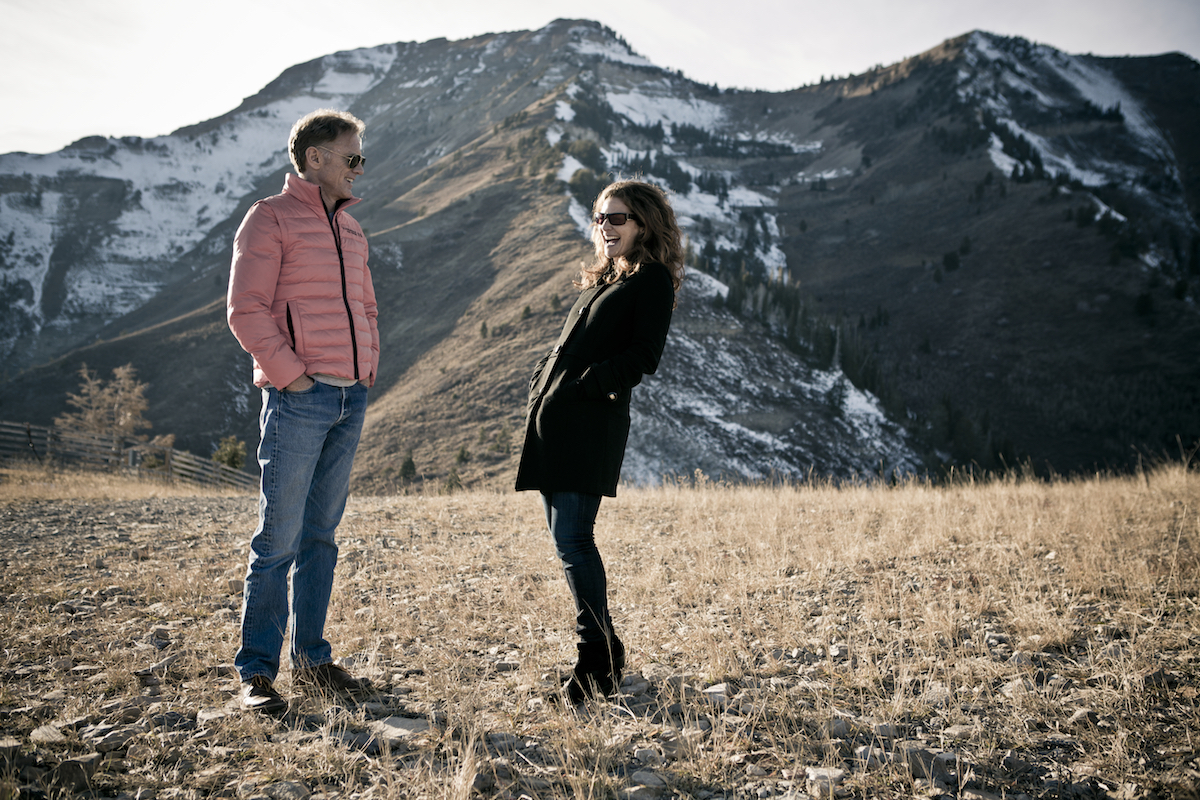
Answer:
(408, 469)
(231, 452)
(585, 186)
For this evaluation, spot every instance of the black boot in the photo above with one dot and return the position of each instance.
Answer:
(598, 672)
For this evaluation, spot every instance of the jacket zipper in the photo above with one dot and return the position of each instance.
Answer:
(337, 242)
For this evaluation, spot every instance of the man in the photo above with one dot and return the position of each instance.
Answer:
(302, 304)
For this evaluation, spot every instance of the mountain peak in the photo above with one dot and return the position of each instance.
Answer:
(980, 253)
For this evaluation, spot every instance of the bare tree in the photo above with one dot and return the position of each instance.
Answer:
(112, 409)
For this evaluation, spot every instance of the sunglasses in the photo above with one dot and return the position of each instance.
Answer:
(617, 219)
(352, 161)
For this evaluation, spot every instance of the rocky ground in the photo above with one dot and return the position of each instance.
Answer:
(119, 623)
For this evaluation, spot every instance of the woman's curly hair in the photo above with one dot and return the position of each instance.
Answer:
(660, 239)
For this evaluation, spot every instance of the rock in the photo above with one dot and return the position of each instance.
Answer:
(74, 775)
(645, 777)
(921, 762)
(361, 740)
(885, 730)
(634, 684)
(648, 756)
(125, 711)
(287, 790)
(837, 728)
(867, 757)
(47, 734)
(937, 694)
(718, 694)
(9, 748)
(503, 742)
(823, 781)
(158, 669)
(139, 752)
(959, 733)
(116, 739)
(978, 794)
(1017, 688)
(396, 731)
(1083, 718)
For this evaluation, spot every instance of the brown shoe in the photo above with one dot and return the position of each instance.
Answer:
(258, 694)
(330, 678)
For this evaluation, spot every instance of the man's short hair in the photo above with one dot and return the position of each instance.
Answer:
(320, 127)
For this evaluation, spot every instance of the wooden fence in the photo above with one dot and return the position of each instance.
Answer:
(68, 447)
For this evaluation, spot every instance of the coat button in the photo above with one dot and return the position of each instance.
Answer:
(581, 311)
(557, 349)
(612, 397)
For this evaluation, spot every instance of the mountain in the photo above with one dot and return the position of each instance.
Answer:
(984, 254)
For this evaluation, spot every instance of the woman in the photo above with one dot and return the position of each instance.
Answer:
(578, 414)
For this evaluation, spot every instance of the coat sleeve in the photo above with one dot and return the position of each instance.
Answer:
(253, 277)
(651, 320)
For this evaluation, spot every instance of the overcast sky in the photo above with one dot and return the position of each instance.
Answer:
(146, 67)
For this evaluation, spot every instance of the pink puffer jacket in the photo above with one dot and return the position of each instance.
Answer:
(300, 295)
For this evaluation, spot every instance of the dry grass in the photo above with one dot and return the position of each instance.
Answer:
(975, 619)
(24, 483)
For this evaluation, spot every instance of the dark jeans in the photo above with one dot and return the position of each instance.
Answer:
(571, 517)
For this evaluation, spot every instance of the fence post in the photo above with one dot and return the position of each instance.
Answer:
(29, 437)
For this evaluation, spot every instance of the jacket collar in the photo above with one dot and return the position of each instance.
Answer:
(310, 193)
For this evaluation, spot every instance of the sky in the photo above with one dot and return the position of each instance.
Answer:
(147, 67)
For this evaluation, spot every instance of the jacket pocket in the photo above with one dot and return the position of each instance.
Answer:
(295, 323)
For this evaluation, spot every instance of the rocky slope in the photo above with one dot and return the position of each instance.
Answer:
(990, 245)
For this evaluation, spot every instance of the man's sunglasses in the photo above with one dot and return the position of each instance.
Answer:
(617, 219)
(352, 161)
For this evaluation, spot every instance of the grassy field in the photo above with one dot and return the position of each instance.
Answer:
(975, 640)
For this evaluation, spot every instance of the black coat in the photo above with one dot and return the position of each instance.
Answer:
(577, 421)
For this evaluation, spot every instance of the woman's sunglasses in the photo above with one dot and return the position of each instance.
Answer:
(352, 161)
(617, 219)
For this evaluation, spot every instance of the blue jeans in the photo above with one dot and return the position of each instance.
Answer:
(306, 449)
(571, 517)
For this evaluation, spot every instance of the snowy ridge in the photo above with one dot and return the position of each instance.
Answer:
(1007, 72)
(609, 49)
(173, 190)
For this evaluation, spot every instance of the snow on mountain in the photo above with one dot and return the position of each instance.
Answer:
(609, 49)
(739, 406)
(96, 230)
(1007, 74)
(158, 199)
(658, 101)
(726, 401)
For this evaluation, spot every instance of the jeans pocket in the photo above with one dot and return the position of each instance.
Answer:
(309, 390)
